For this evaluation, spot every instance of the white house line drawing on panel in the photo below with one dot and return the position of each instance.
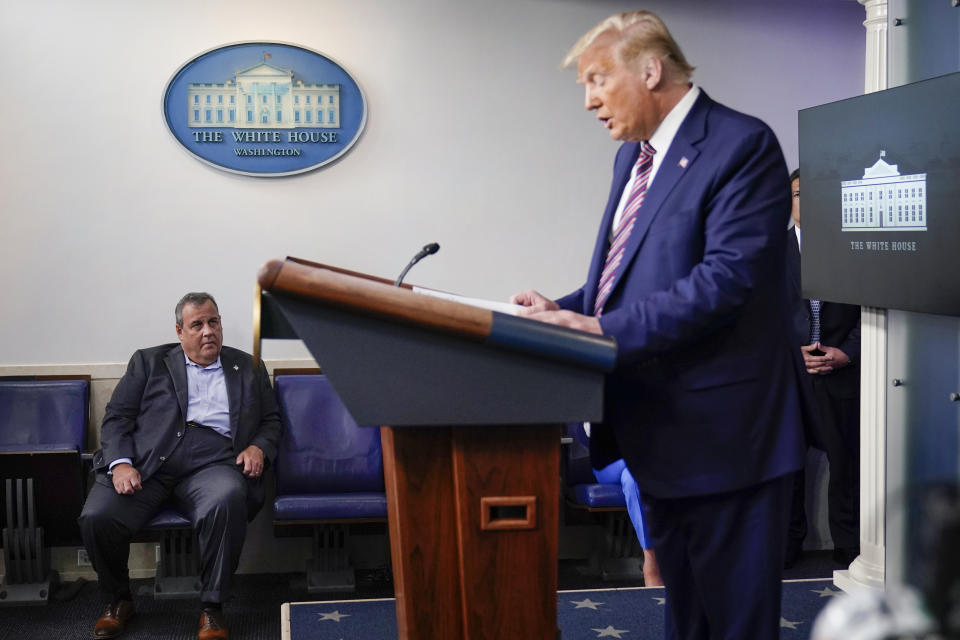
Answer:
(884, 200)
(263, 96)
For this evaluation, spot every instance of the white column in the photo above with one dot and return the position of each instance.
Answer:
(875, 69)
(867, 569)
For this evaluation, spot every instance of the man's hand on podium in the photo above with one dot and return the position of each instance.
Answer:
(539, 307)
(534, 301)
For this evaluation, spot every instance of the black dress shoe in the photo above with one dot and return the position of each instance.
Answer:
(212, 626)
(114, 620)
(794, 551)
(845, 555)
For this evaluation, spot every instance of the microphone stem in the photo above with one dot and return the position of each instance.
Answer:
(428, 250)
(403, 273)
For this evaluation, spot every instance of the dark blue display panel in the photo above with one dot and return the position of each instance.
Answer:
(880, 198)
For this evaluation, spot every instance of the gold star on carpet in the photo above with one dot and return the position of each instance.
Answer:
(334, 615)
(788, 624)
(586, 604)
(610, 632)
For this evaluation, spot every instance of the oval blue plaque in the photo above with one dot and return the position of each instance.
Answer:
(264, 108)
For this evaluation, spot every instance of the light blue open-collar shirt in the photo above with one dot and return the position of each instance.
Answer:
(207, 402)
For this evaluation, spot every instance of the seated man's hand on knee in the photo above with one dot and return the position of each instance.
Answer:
(126, 479)
(251, 459)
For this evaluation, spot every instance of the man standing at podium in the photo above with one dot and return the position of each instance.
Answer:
(688, 276)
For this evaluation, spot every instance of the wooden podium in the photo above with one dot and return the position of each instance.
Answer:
(474, 400)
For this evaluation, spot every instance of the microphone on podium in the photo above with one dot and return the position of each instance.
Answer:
(428, 250)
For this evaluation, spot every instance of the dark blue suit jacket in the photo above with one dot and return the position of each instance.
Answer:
(839, 327)
(706, 396)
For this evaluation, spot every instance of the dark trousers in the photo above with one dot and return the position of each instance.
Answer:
(798, 512)
(202, 481)
(721, 558)
(838, 435)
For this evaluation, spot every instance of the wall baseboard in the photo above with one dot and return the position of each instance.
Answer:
(114, 370)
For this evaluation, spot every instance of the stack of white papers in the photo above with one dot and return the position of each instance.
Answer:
(493, 305)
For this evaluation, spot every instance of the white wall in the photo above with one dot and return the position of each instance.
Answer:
(475, 139)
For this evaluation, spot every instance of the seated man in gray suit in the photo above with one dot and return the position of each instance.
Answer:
(193, 425)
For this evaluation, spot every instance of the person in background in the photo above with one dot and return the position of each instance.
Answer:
(617, 473)
(828, 334)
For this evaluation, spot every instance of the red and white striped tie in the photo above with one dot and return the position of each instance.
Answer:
(627, 220)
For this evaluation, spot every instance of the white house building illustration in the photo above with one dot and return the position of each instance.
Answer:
(884, 200)
(264, 97)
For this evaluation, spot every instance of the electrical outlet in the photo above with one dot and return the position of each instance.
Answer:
(83, 560)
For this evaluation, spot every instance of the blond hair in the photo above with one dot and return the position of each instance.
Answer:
(640, 33)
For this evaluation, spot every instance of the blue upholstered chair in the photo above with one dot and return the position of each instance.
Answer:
(329, 475)
(618, 556)
(43, 429)
(582, 488)
(43, 415)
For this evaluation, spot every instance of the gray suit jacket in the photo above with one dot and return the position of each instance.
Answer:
(149, 406)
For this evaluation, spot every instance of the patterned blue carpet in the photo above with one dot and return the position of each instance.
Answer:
(627, 614)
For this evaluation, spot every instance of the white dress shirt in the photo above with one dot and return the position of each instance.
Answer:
(661, 140)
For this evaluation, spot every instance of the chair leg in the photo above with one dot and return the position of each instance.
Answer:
(178, 569)
(28, 576)
(622, 555)
(330, 570)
